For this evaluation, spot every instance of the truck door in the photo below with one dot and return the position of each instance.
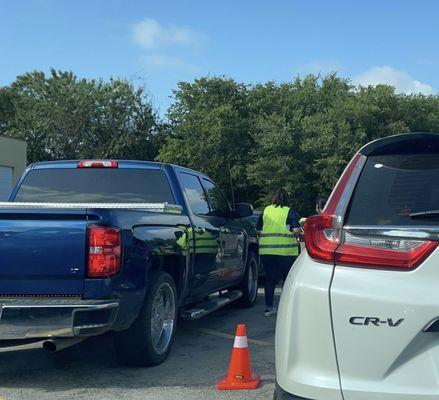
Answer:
(207, 249)
(231, 233)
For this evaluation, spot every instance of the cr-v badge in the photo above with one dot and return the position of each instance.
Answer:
(375, 321)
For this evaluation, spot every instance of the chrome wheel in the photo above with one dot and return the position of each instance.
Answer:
(163, 315)
(253, 279)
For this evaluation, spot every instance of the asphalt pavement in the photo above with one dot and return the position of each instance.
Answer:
(199, 359)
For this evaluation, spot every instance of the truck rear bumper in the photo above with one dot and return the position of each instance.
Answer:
(29, 318)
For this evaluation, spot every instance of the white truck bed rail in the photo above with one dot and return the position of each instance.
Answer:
(154, 207)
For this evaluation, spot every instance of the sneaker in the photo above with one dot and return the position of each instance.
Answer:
(269, 312)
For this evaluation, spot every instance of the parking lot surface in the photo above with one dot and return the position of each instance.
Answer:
(199, 359)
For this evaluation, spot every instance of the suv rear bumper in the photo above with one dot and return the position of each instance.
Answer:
(30, 318)
(280, 394)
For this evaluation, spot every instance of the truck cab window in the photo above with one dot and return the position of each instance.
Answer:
(95, 185)
(195, 195)
(219, 206)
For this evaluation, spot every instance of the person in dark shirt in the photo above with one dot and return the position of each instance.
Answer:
(319, 207)
(320, 204)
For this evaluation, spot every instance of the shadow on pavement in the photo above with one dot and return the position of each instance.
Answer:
(198, 359)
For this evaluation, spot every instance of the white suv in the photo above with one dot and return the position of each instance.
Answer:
(359, 314)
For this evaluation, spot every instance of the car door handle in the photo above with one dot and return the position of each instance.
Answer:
(200, 230)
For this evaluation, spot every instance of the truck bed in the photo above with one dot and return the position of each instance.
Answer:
(43, 246)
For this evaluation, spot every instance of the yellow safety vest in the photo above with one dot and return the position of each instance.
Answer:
(276, 239)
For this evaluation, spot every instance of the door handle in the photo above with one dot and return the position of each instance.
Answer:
(200, 230)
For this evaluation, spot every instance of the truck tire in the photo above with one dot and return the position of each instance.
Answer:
(249, 284)
(149, 340)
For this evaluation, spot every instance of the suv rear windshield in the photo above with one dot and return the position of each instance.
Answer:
(391, 187)
(89, 185)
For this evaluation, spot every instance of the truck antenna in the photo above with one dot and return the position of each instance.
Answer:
(231, 184)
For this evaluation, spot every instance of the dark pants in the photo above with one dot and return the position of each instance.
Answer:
(276, 269)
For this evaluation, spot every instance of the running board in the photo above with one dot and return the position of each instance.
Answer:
(211, 305)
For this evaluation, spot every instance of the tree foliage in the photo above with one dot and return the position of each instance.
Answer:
(209, 131)
(63, 117)
(299, 135)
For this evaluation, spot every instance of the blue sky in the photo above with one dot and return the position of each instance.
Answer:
(158, 43)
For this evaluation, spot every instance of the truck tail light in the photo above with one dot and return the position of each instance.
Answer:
(326, 240)
(104, 251)
(98, 164)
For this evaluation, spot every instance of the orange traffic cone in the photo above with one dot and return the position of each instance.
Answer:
(240, 371)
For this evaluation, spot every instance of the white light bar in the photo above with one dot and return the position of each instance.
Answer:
(154, 207)
(382, 242)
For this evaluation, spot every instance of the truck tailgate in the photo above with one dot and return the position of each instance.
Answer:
(42, 252)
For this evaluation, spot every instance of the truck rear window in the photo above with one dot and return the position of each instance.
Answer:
(391, 187)
(86, 185)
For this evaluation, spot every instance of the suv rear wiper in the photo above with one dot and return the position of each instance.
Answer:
(425, 214)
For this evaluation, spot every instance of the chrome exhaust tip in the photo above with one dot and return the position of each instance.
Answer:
(54, 345)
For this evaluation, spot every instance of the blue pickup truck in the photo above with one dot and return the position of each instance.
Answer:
(88, 247)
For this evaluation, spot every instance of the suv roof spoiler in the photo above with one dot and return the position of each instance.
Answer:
(405, 143)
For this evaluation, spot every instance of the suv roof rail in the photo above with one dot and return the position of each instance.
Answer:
(417, 142)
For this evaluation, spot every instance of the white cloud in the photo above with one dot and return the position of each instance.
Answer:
(401, 80)
(150, 35)
(159, 61)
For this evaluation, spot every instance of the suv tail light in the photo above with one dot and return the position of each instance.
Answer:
(323, 232)
(320, 239)
(326, 241)
(382, 252)
(104, 251)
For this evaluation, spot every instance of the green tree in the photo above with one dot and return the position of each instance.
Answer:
(64, 117)
(6, 109)
(294, 138)
(208, 131)
(299, 135)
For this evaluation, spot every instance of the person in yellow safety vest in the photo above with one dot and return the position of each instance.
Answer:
(277, 228)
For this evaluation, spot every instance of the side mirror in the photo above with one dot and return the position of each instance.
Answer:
(244, 210)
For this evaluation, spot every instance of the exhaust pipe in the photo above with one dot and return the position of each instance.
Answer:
(54, 345)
